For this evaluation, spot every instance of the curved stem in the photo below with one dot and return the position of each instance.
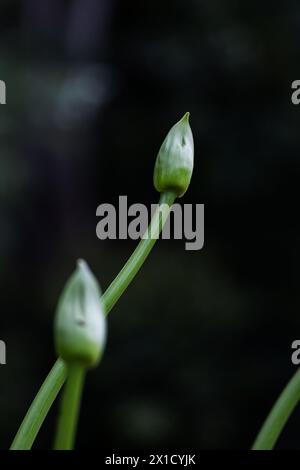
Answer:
(70, 406)
(136, 260)
(279, 415)
(40, 406)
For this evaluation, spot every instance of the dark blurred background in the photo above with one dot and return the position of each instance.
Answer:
(199, 346)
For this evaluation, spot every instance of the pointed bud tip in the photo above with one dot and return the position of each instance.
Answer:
(82, 264)
(84, 273)
(83, 270)
(186, 117)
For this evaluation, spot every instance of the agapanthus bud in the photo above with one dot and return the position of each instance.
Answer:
(175, 161)
(80, 327)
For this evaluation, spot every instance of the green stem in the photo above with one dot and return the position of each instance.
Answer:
(40, 406)
(279, 415)
(70, 406)
(136, 260)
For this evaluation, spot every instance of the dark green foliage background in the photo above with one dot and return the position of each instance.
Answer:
(199, 346)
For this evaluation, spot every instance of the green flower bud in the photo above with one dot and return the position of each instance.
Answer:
(80, 327)
(175, 161)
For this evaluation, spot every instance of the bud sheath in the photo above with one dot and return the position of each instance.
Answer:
(175, 161)
(80, 328)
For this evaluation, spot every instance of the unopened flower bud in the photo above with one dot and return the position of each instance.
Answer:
(175, 161)
(80, 327)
